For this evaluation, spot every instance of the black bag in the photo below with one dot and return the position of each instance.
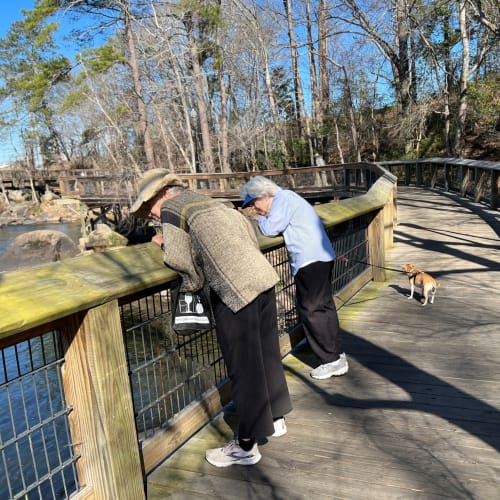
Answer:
(191, 313)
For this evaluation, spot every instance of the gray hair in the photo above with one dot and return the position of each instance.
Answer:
(175, 189)
(258, 187)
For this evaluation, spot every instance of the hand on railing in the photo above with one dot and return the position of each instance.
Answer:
(158, 239)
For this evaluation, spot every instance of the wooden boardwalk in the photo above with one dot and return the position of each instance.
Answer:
(418, 414)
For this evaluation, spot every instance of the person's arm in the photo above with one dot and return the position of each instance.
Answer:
(178, 254)
(278, 219)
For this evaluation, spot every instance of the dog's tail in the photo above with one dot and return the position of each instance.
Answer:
(437, 284)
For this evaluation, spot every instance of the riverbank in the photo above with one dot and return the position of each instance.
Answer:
(61, 210)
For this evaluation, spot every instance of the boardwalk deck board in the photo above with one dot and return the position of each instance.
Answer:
(418, 415)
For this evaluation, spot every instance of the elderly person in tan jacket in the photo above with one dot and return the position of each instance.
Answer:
(213, 246)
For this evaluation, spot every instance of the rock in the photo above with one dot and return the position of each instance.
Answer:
(48, 196)
(37, 247)
(17, 196)
(103, 237)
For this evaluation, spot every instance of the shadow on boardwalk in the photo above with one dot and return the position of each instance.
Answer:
(467, 413)
(418, 414)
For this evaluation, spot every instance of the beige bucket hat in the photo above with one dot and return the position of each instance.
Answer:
(150, 185)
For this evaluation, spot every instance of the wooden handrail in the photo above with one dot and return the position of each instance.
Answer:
(477, 179)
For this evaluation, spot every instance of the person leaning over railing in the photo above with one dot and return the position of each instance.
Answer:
(211, 245)
(311, 256)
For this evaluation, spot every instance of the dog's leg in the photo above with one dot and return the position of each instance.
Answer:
(425, 294)
(411, 290)
(433, 292)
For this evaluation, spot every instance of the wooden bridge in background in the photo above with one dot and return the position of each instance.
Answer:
(99, 188)
(418, 414)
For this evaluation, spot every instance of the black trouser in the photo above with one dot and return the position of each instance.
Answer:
(249, 343)
(317, 310)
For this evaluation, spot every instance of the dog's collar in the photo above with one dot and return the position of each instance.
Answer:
(414, 274)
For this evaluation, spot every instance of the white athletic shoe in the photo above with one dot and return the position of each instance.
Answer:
(233, 454)
(279, 427)
(333, 369)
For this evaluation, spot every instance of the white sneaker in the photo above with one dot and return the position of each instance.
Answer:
(279, 427)
(335, 368)
(233, 454)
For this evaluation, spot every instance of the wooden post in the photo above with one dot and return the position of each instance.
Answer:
(418, 174)
(97, 386)
(407, 175)
(481, 183)
(389, 218)
(464, 180)
(376, 245)
(347, 179)
(433, 176)
(494, 181)
(447, 177)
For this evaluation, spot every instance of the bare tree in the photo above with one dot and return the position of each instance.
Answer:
(488, 13)
(324, 74)
(190, 21)
(392, 40)
(143, 122)
(467, 69)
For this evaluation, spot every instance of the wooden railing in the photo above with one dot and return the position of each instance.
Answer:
(476, 179)
(100, 323)
(102, 188)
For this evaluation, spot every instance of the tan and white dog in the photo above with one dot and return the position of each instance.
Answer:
(423, 280)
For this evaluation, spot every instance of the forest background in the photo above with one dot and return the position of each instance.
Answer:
(235, 85)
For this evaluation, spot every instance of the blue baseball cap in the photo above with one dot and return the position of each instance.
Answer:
(249, 198)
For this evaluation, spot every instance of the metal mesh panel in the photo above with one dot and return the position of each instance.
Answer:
(36, 453)
(285, 290)
(167, 372)
(350, 241)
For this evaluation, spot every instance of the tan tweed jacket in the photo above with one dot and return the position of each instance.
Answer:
(211, 244)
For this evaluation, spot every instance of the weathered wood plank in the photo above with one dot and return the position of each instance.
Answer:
(96, 364)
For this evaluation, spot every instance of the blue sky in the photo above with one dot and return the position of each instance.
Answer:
(11, 12)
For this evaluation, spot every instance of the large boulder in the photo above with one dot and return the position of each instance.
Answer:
(103, 238)
(37, 247)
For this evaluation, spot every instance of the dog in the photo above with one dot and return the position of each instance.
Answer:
(423, 280)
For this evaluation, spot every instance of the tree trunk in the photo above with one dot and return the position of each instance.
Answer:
(324, 75)
(4, 193)
(402, 63)
(352, 115)
(314, 80)
(464, 75)
(224, 142)
(446, 91)
(223, 134)
(208, 160)
(141, 106)
(295, 66)
(337, 139)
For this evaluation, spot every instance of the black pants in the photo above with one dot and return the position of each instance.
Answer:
(249, 343)
(317, 310)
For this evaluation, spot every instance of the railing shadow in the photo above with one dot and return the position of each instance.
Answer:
(465, 412)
